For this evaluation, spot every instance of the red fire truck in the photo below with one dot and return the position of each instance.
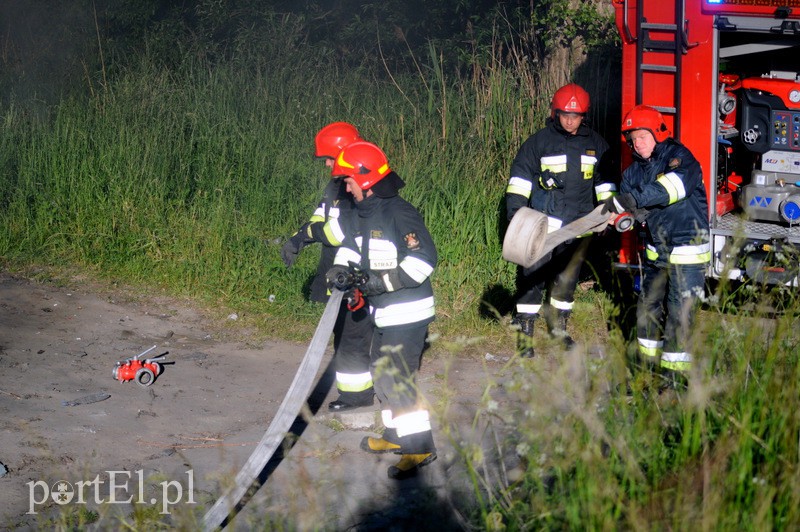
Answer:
(726, 76)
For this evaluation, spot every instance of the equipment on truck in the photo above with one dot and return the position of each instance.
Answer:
(724, 75)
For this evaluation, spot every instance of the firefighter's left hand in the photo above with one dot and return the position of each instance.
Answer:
(550, 181)
(374, 285)
(292, 247)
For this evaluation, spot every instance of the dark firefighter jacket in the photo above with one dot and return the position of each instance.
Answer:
(579, 164)
(389, 237)
(670, 187)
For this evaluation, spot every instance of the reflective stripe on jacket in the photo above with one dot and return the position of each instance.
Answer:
(670, 187)
(397, 240)
(580, 162)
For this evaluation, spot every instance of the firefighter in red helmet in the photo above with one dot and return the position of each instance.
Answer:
(563, 171)
(389, 244)
(352, 332)
(665, 183)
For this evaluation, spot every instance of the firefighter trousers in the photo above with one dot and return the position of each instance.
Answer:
(556, 279)
(396, 354)
(352, 337)
(666, 311)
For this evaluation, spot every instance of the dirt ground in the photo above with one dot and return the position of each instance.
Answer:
(166, 451)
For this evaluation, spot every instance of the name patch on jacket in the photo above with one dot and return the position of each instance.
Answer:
(412, 242)
(376, 233)
(591, 152)
(674, 163)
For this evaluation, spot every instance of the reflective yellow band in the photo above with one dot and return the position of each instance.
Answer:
(518, 185)
(691, 254)
(674, 186)
(333, 232)
(676, 361)
(587, 166)
(353, 382)
(650, 348)
(604, 191)
(554, 163)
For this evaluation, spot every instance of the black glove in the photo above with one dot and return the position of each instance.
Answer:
(550, 181)
(374, 285)
(291, 248)
(619, 204)
(340, 278)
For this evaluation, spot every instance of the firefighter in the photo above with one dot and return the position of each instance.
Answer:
(390, 244)
(352, 332)
(664, 187)
(562, 171)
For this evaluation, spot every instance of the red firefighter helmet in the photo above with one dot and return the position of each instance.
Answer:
(646, 117)
(570, 99)
(331, 139)
(364, 162)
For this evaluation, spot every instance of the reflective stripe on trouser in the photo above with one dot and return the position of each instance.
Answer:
(688, 254)
(353, 382)
(650, 349)
(676, 361)
(414, 432)
(666, 309)
(352, 336)
(558, 277)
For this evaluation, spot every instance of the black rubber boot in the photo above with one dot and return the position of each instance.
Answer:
(525, 323)
(352, 400)
(558, 328)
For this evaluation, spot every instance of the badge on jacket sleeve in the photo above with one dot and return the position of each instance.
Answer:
(412, 242)
(674, 163)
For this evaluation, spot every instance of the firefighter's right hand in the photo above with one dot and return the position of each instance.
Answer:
(550, 181)
(619, 204)
(340, 278)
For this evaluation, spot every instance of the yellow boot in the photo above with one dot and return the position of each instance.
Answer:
(409, 464)
(378, 445)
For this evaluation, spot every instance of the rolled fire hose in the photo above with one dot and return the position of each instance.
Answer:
(527, 240)
(295, 398)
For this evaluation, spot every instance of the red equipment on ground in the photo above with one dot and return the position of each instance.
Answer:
(142, 371)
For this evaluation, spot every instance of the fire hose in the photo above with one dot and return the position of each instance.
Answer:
(528, 243)
(228, 504)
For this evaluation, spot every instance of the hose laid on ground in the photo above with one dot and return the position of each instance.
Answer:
(528, 242)
(295, 398)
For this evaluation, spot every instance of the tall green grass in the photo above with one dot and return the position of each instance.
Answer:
(189, 179)
(601, 444)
